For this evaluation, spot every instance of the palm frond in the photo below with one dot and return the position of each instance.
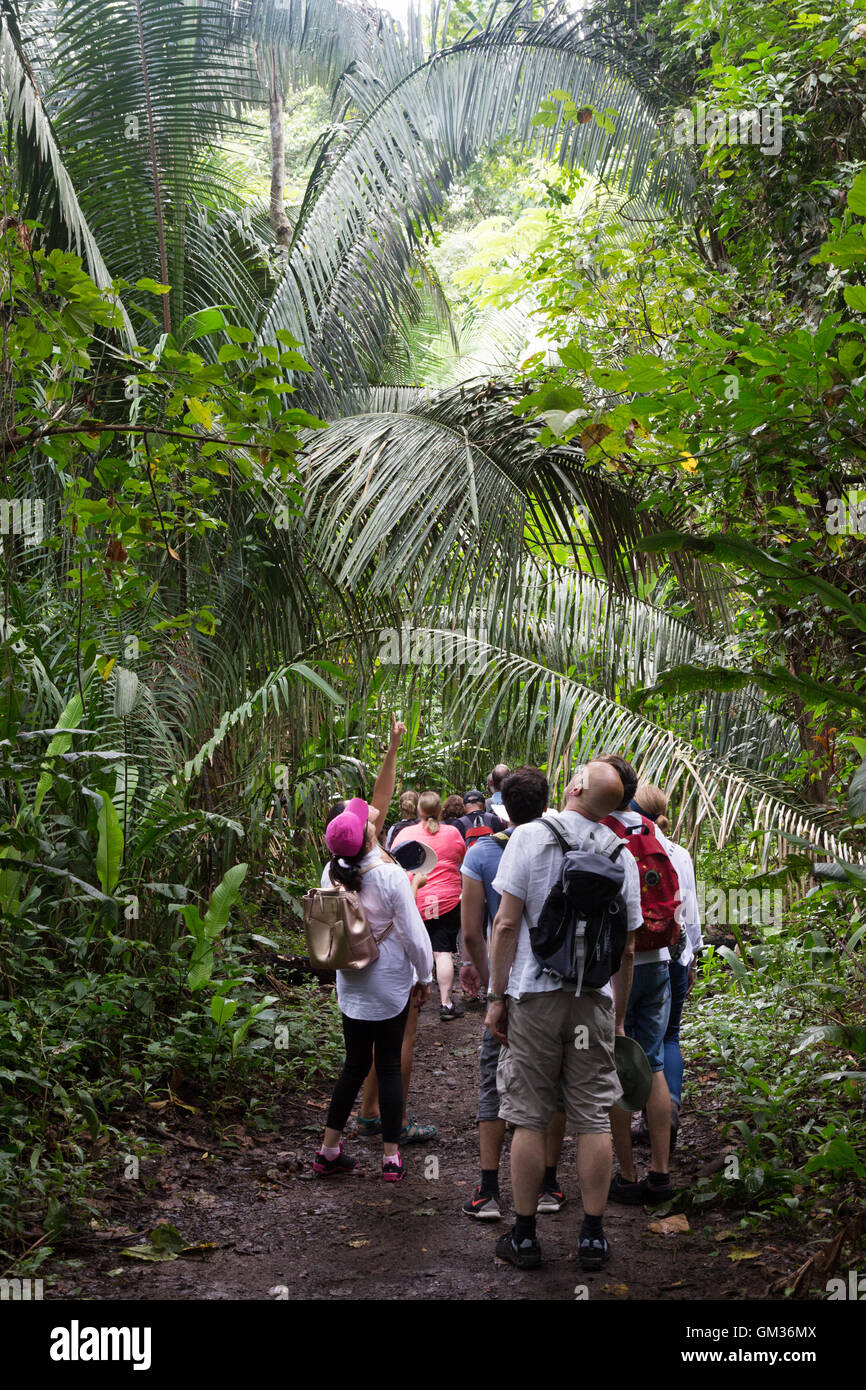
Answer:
(31, 124)
(390, 175)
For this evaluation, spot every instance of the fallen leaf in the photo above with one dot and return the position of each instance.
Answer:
(424, 1211)
(618, 1290)
(669, 1225)
(744, 1254)
(113, 1273)
(147, 1252)
(356, 1244)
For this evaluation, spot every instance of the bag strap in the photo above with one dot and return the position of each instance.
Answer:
(612, 854)
(390, 927)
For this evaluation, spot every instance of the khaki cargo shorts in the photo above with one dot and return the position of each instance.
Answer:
(551, 1035)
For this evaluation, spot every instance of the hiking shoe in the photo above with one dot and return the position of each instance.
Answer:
(653, 1194)
(367, 1128)
(451, 1012)
(393, 1169)
(550, 1199)
(482, 1208)
(630, 1194)
(526, 1255)
(593, 1252)
(341, 1166)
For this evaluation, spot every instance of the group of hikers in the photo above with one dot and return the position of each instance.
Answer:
(578, 928)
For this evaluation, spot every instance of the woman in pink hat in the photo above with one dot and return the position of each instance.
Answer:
(374, 1002)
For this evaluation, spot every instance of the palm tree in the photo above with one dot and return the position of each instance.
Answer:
(117, 110)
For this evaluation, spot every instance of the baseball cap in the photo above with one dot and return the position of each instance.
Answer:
(346, 832)
(473, 796)
(415, 858)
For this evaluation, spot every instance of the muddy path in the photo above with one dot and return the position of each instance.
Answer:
(268, 1229)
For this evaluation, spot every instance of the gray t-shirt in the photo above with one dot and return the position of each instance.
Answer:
(529, 868)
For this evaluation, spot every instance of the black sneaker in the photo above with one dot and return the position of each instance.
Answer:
(526, 1255)
(630, 1194)
(482, 1208)
(446, 1015)
(654, 1194)
(340, 1167)
(593, 1252)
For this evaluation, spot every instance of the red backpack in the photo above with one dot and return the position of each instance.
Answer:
(659, 886)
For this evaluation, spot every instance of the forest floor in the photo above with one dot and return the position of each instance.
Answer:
(266, 1228)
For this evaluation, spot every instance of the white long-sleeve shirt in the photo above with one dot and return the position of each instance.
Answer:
(405, 956)
(682, 862)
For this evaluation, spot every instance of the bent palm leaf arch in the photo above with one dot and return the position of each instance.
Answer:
(391, 175)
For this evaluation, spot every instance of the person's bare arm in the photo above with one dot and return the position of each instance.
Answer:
(621, 983)
(503, 946)
(473, 911)
(386, 781)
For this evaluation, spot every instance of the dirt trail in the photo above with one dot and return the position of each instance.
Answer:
(276, 1228)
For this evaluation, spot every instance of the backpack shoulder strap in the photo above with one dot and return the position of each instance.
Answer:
(556, 832)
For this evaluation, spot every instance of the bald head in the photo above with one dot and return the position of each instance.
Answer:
(498, 776)
(594, 791)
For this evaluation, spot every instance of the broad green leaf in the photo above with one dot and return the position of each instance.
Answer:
(198, 325)
(857, 793)
(61, 743)
(857, 194)
(221, 1010)
(222, 899)
(109, 853)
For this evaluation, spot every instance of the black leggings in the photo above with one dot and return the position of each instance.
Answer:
(362, 1035)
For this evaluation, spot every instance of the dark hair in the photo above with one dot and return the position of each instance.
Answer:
(336, 810)
(524, 793)
(346, 869)
(497, 777)
(453, 807)
(627, 776)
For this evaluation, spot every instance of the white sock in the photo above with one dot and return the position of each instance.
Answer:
(330, 1153)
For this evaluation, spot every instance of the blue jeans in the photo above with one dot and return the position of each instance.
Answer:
(679, 975)
(649, 1005)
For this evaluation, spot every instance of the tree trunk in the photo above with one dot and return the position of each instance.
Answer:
(279, 221)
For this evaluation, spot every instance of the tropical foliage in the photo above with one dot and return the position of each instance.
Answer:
(212, 601)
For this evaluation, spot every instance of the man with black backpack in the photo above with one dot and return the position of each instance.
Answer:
(524, 795)
(560, 975)
(476, 821)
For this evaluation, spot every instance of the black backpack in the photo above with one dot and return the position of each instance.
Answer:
(582, 928)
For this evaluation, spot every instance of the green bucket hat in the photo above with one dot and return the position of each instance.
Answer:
(634, 1072)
